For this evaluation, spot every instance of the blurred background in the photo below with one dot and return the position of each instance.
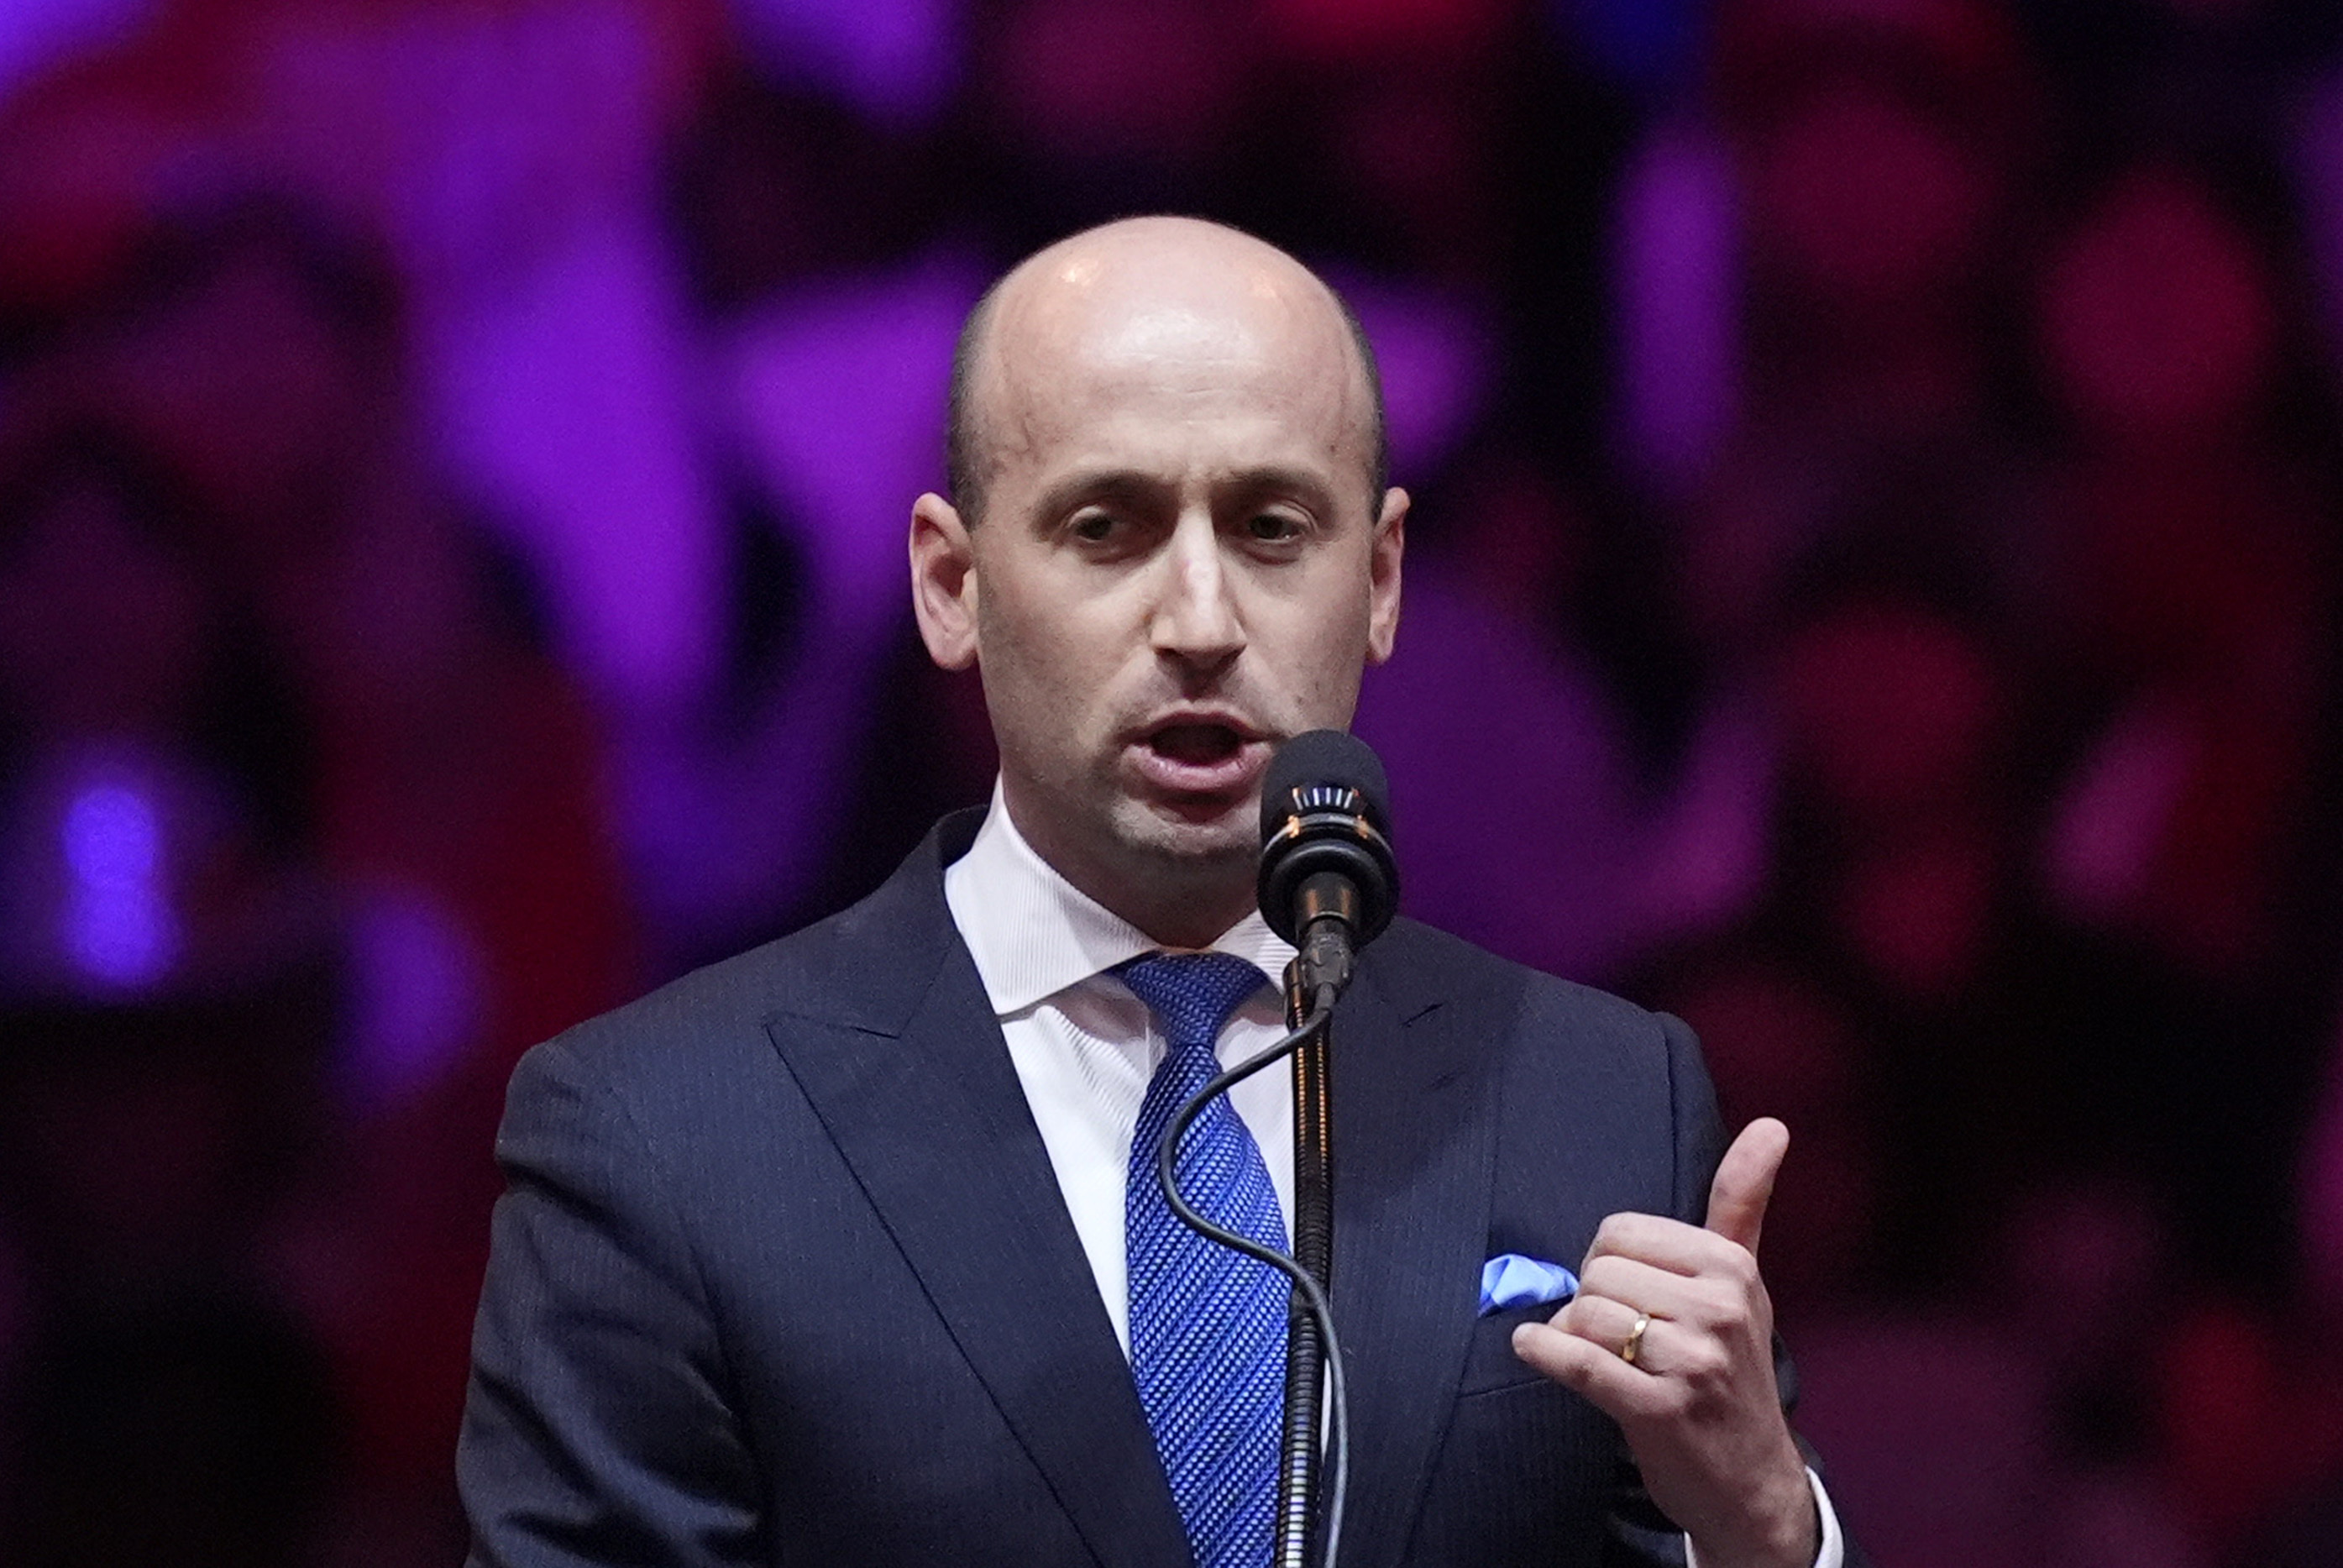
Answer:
(1877, 468)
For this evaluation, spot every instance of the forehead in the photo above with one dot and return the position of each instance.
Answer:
(1218, 359)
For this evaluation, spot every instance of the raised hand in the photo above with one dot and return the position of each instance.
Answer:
(1671, 1335)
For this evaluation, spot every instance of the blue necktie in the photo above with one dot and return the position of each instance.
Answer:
(1207, 1325)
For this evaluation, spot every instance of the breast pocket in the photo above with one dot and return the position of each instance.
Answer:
(1490, 1363)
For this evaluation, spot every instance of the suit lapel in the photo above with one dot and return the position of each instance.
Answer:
(1415, 1149)
(906, 1067)
(915, 1086)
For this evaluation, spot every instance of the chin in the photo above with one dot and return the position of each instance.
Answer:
(1208, 841)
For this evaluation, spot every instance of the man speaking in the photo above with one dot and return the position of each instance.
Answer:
(847, 1250)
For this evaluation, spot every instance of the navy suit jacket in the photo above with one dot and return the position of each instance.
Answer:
(783, 1274)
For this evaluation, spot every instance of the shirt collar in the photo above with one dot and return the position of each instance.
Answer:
(1033, 933)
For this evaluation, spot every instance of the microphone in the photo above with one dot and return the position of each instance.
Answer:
(1329, 882)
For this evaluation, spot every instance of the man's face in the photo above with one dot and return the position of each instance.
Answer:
(1178, 565)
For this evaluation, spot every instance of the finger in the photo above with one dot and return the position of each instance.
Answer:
(1610, 1325)
(1744, 1181)
(1610, 1384)
(1699, 1299)
(1660, 1241)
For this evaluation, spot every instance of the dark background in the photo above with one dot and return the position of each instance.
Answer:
(1873, 591)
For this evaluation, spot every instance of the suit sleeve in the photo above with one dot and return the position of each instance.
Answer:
(598, 1428)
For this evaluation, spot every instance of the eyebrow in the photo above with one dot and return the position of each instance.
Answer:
(1085, 486)
(1277, 479)
(1136, 488)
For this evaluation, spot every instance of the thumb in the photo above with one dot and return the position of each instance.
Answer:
(1744, 1181)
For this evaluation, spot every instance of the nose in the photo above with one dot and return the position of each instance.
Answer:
(1196, 619)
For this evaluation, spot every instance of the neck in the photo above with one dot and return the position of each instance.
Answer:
(1183, 923)
(1176, 902)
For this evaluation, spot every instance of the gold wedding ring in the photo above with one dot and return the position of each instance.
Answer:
(1634, 1345)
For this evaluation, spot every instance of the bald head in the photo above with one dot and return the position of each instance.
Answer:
(1141, 275)
(1187, 554)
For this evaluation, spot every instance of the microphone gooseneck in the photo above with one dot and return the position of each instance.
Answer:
(1328, 885)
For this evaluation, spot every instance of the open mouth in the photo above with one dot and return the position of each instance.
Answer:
(1201, 761)
(1196, 745)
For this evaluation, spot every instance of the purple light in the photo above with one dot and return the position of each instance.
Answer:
(41, 34)
(119, 927)
(896, 60)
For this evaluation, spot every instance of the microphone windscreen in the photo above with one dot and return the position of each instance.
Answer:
(1325, 813)
(1326, 760)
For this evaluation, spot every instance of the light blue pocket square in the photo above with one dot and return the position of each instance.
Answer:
(1511, 1281)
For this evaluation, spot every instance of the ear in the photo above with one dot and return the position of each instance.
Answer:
(1382, 576)
(943, 582)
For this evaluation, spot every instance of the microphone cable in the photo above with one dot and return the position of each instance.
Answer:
(1314, 1297)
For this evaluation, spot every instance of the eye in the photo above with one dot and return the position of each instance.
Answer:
(1093, 528)
(1274, 527)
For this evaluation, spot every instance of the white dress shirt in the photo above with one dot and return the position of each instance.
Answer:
(1084, 1047)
